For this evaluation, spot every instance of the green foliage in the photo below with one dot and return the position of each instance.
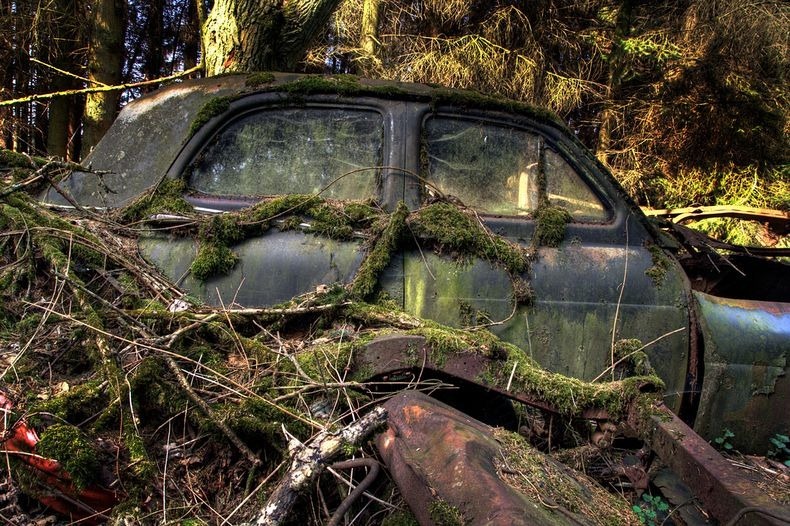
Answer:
(780, 448)
(723, 441)
(652, 510)
(69, 446)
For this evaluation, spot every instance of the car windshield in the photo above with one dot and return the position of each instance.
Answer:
(282, 151)
(495, 169)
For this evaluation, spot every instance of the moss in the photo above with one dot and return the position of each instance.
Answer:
(400, 518)
(660, 267)
(11, 159)
(213, 259)
(380, 252)
(523, 294)
(550, 225)
(445, 514)
(77, 404)
(450, 228)
(637, 360)
(209, 110)
(75, 452)
(569, 395)
(543, 479)
(314, 84)
(257, 422)
(165, 198)
(479, 101)
(259, 78)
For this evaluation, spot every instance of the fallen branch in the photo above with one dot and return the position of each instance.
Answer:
(119, 87)
(310, 460)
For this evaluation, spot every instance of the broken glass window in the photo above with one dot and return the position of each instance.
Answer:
(334, 151)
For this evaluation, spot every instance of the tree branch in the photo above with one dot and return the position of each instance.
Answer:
(119, 87)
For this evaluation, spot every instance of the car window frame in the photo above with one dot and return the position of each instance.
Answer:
(248, 105)
(544, 144)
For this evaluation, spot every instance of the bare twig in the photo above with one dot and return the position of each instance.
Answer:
(309, 462)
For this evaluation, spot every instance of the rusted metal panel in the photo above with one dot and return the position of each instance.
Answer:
(436, 454)
(724, 490)
(746, 387)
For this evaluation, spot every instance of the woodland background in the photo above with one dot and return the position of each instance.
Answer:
(686, 101)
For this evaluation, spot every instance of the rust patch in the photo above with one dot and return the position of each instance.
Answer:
(448, 457)
(725, 491)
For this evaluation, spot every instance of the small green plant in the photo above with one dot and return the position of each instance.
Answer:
(650, 509)
(780, 448)
(723, 441)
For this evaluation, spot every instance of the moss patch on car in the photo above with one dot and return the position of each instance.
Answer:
(211, 109)
(545, 480)
(165, 198)
(550, 225)
(658, 271)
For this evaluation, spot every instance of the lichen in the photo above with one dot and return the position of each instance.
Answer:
(550, 225)
(209, 110)
(75, 452)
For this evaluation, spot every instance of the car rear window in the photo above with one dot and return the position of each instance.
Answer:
(335, 151)
(495, 169)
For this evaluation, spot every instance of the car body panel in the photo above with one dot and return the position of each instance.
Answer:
(277, 266)
(746, 388)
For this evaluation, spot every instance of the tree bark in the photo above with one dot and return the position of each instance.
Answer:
(256, 35)
(371, 10)
(105, 62)
(616, 68)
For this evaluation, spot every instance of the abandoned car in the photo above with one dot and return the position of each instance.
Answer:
(531, 237)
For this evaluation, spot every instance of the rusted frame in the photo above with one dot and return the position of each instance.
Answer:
(726, 494)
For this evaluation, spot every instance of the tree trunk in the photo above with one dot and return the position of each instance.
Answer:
(191, 35)
(616, 68)
(154, 30)
(105, 62)
(369, 41)
(62, 57)
(256, 35)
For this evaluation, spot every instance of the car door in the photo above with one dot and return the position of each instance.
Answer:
(603, 275)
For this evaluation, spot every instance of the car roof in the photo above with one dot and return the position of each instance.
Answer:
(149, 133)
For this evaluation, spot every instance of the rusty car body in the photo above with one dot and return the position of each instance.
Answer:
(718, 335)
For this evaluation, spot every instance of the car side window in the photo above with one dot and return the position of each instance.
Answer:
(496, 169)
(335, 151)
